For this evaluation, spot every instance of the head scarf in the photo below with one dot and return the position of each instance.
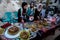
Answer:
(39, 6)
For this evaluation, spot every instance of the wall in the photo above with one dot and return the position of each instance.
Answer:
(8, 6)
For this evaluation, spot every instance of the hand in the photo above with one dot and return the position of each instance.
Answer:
(22, 20)
(45, 19)
(38, 17)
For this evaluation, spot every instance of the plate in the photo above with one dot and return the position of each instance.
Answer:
(33, 35)
(2, 31)
(10, 36)
(48, 27)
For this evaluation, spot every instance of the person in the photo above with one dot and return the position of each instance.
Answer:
(37, 14)
(51, 17)
(55, 1)
(58, 37)
(50, 14)
(30, 11)
(43, 12)
(22, 13)
(57, 15)
(2, 38)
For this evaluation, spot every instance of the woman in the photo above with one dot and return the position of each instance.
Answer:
(37, 14)
(22, 13)
(43, 12)
(51, 17)
(30, 11)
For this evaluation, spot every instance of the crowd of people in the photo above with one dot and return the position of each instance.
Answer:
(32, 13)
(29, 13)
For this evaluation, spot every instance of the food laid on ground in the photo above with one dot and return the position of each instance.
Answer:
(40, 26)
(24, 35)
(13, 30)
(1, 31)
(27, 25)
(45, 23)
(33, 28)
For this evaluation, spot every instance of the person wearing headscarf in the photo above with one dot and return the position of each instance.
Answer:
(37, 14)
(22, 12)
(30, 11)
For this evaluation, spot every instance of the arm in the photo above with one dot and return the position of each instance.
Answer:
(19, 13)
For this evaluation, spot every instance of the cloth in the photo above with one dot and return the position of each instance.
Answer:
(30, 11)
(7, 17)
(37, 13)
(21, 14)
(43, 13)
